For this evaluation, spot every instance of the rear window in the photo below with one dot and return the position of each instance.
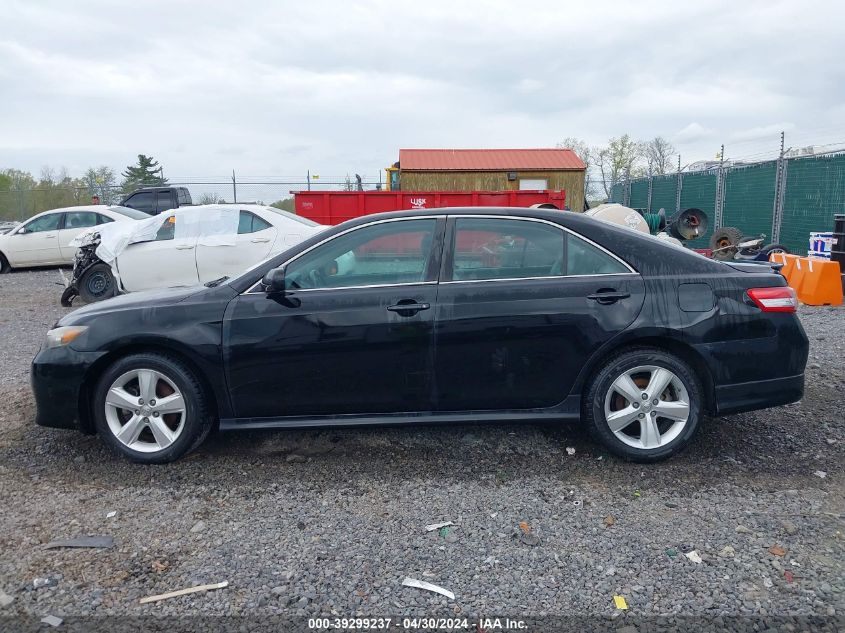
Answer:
(251, 223)
(130, 213)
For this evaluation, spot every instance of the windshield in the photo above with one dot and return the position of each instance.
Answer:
(293, 216)
(130, 213)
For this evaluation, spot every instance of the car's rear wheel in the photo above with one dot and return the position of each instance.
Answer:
(97, 283)
(644, 404)
(151, 408)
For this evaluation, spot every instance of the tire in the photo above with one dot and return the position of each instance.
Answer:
(774, 248)
(602, 396)
(5, 267)
(146, 442)
(726, 236)
(96, 284)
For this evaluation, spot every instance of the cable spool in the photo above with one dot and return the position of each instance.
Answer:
(688, 225)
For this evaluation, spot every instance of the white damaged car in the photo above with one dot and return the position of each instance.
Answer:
(184, 247)
(45, 239)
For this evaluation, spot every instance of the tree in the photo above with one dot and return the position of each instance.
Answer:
(586, 154)
(101, 182)
(658, 154)
(286, 204)
(619, 160)
(210, 198)
(147, 173)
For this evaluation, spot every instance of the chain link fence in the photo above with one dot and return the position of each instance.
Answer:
(20, 204)
(785, 199)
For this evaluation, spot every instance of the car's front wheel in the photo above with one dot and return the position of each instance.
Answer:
(97, 283)
(4, 265)
(644, 404)
(151, 408)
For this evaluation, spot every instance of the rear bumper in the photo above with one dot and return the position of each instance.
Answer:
(760, 394)
(57, 377)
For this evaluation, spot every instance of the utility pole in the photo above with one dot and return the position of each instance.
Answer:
(308, 179)
(234, 188)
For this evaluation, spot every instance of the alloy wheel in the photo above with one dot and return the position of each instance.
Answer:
(145, 410)
(647, 407)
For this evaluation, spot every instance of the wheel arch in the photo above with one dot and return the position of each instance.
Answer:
(663, 340)
(169, 349)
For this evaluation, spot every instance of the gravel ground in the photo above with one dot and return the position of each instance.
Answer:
(330, 522)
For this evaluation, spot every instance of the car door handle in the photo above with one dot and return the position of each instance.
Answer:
(259, 240)
(606, 297)
(184, 247)
(410, 308)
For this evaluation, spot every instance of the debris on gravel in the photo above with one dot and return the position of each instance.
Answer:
(336, 533)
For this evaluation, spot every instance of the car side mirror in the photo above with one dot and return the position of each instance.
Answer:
(274, 280)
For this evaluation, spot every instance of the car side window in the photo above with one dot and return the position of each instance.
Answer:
(81, 219)
(251, 223)
(103, 219)
(163, 201)
(500, 248)
(387, 253)
(582, 258)
(49, 222)
(167, 230)
(142, 201)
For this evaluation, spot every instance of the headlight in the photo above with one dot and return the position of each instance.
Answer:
(60, 336)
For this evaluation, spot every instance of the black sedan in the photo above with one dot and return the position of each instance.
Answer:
(449, 315)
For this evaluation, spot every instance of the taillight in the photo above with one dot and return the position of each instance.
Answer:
(780, 299)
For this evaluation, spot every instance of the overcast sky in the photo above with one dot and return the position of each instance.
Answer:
(271, 89)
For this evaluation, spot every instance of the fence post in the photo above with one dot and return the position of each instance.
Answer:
(780, 186)
(719, 203)
(678, 188)
(234, 188)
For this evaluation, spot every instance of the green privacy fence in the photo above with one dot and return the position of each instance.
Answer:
(755, 198)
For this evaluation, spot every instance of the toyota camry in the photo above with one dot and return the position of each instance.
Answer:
(447, 315)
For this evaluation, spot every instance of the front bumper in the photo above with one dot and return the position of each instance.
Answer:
(760, 394)
(58, 380)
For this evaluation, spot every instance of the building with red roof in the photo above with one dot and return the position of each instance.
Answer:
(491, 170)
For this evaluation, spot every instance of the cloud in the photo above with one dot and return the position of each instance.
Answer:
(692, 133)
(337, 87)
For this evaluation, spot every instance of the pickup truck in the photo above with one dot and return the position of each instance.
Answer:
(154, 200)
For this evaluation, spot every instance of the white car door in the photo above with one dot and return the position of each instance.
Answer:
(164, 262)
(75, 223)
(253, 243)
(36, 243)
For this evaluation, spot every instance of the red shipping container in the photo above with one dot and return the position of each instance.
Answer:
(334, 207)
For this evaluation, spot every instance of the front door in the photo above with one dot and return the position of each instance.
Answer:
(36, 243)
(167, 261)
(352, 335)
(515, 317)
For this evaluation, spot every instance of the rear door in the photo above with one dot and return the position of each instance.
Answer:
(164, 262)
(253, 242)
(522, 305)
(36, 243)
(75, 223)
